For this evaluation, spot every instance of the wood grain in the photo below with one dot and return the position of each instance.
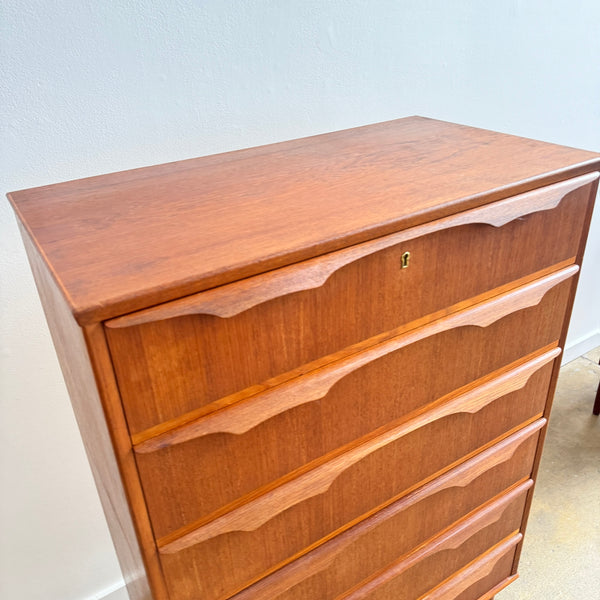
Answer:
(491, 593)
(409, 360)
(298, 531)
(245, 415)
(190, 475)
(481, 568)
(230, 300)
(371, 545)
(90, 383)
(318, 480)
(190, 362)
(356, 184)
(418, 572)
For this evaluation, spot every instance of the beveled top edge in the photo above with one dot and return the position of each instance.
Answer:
(213, 220)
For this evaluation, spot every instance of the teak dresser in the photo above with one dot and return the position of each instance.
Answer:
(319, 369)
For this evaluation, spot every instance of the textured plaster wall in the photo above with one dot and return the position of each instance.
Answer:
(92, 87)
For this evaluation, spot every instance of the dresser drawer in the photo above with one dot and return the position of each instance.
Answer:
(370, 546)
(302, 511)
(212, 463)
(415, 575)
(453, 547)
(192, 353)
(484, 577)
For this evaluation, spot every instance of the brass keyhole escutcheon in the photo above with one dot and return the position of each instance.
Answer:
(405, 259)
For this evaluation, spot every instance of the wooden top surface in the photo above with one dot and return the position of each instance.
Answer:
(129, 240)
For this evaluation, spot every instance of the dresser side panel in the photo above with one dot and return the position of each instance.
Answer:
(88, 377)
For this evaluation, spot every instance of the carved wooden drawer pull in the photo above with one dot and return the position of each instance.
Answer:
(255, 513)
(250, 412)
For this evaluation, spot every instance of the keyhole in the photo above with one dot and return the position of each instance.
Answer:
(405, 259)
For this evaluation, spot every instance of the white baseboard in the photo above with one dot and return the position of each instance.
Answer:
(117, 591)
(578, 347)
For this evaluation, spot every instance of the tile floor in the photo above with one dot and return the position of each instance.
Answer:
(561, 553)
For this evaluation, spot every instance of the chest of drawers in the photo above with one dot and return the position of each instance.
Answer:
(320, 369)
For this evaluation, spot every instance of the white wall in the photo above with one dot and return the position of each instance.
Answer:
(91, 87)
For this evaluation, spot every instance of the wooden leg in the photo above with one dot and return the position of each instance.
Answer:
(597, 402)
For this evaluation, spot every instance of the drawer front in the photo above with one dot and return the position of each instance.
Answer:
(305, 510)
(187, 481)
(413, 576)
(189, 354)
(483, 578)
(354, 555)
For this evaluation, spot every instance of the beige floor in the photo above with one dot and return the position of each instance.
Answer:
(561, 553)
